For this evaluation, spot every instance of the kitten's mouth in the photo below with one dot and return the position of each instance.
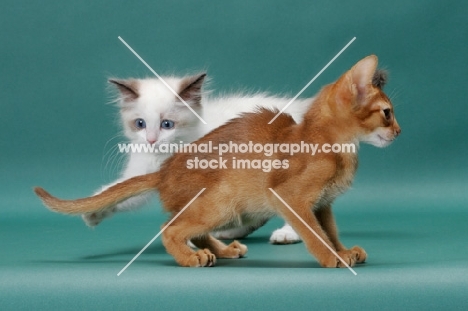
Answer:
(158, 143)
(385, 141)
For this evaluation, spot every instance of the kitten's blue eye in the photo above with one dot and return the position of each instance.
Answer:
(167, 124)
(140, 123)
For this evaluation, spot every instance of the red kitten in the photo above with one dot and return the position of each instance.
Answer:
(350, 110)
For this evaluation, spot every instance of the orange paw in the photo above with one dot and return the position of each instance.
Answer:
(234, 250)
(201, 258)
(360, 254)
(349, 256)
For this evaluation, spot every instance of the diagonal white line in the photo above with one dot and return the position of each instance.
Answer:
(161, 79)
(160, 232)
(312, 230)
(313, 79)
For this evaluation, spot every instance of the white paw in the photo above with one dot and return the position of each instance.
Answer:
(285, 235)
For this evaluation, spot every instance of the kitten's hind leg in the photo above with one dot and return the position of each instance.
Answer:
(194, 224)
(175, 239)
(221, 250)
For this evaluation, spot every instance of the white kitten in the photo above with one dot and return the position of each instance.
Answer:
(152, 114)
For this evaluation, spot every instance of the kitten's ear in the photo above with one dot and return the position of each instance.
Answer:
(190, 89)
(363, 72)
(355, 84)
(128, 88)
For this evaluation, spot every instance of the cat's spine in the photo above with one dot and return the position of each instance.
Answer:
(115, 194)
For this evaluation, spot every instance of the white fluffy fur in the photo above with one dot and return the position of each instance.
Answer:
(155, 102)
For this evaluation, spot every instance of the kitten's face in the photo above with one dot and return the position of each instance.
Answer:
(380, 125)
(152, 114)
(372, 111)
(156, 116)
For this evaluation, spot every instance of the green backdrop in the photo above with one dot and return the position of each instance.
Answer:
(407, 207)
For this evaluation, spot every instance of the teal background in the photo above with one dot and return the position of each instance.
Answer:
(407, 207)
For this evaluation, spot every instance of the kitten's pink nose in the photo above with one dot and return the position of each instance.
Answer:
(397, 129)
(151, 136)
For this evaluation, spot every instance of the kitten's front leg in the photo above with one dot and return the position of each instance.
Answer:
(315, 246)
(95, 218)
(327, 221)
(138, 164)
